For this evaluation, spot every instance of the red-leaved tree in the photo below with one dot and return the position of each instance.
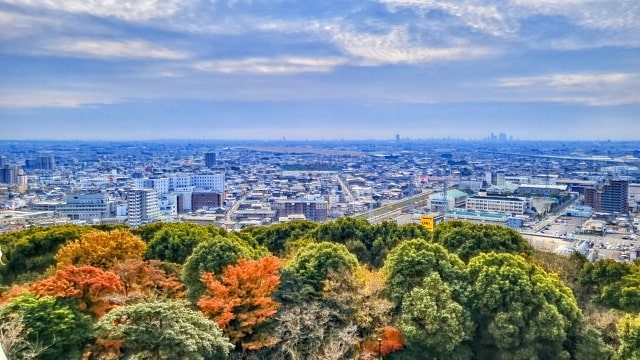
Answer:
(391, 341)
(241, 299)
(93, 289)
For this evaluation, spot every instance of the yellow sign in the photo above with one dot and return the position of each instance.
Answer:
(427, 222)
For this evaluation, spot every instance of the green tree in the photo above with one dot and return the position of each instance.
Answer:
(433, 323)
(29, 253)
(410, 262)
(214, 255)
(629, 334)
(370, 244)
(468, 240)
(176, 242)
(163, 330)
(521, 311)
(276, 237)
(303, 278)
(54, 324)
(591, 346)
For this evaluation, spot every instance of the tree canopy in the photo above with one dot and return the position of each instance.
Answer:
(101, 249)
(163, 330)
(468, 239)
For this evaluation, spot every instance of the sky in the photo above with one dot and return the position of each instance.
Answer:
(302, 69)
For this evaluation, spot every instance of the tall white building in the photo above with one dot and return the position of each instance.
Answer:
(142, 207)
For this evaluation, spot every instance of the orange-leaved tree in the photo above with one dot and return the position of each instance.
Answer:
(101, 249)
(242, 298)
(148, 279)
(96, 291)
(390, 340)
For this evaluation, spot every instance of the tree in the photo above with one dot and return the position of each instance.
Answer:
(370, 244)
(303, 278)
(93, 289)
(410, 262)
(213, 256)
(242, 299)
(147, 279)
(432, 322)
(29, 253)
(60, 329)
(312, 331)
(590, 346)
(389, 341)
(521, 311)
(163, 330)
(468, 240)
(359, 297)
(175, 242)
(629, 334)
(14, 340)
(101, 249)
(276, 237)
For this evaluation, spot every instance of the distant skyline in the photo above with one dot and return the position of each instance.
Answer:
(353, 69)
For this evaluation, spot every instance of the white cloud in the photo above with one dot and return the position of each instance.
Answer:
(31, 99)
(283, 65)
(131, 10)
(113, 49)
(503, 18)
(395, 48)
(597, 89)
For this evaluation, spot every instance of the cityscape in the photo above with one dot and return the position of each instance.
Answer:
(320, 180)
(562, 196)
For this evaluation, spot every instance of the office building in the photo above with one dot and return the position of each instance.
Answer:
(87, 207)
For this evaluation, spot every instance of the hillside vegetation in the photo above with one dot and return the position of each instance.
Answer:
(301, 290)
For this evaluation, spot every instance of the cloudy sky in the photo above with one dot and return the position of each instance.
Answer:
(303, 69)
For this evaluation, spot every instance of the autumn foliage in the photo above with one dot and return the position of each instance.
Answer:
(101, 249)
(391, 341)
(93, 289)
(147, 279)
(241, 299)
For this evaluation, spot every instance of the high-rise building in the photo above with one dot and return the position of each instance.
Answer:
(210, 159)
(613, 197)
(142, 207)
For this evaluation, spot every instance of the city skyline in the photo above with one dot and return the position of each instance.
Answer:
(536, 70)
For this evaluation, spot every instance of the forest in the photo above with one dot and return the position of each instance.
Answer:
(301, 290)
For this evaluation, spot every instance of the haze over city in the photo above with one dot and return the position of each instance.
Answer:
(549, 70)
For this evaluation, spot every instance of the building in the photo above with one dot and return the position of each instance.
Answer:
(210, 159)
(312, 210)
(455, 199)
(541, 190)
(142, 207)
(41, 163)
(500, 204)
(205, 200)
(613, 197)
(87, 207)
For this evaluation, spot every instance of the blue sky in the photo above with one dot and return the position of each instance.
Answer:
(300, 69)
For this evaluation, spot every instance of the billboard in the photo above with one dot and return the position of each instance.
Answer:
(427, 221)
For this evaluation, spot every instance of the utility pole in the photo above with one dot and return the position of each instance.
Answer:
(380, 348)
